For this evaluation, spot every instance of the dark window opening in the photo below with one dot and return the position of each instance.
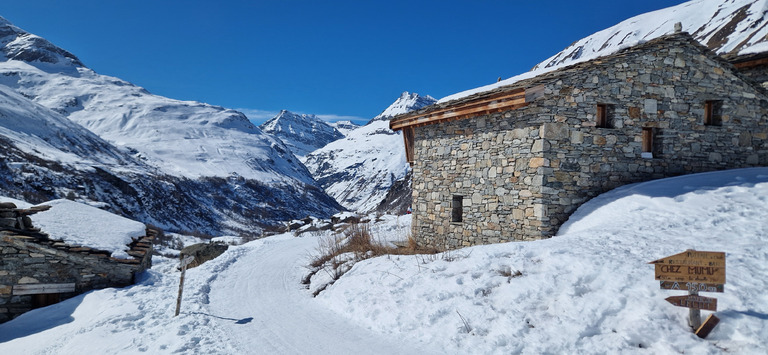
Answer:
(603, 116)
(713, 113)
(457, 208)
(45, 299)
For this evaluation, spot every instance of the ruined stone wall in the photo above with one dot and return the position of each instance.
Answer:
(29, 260)
(521, 173)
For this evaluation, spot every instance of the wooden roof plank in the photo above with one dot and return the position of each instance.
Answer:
(486, 105)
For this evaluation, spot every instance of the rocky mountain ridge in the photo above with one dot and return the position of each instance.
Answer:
(302, 133)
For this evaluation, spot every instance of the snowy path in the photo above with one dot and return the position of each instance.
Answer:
(262, 281)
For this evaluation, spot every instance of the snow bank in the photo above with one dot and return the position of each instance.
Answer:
(589, 290)
(80, 224)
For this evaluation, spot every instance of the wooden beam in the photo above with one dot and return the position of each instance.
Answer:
(490, 104)
(751, 63)
(35, 289)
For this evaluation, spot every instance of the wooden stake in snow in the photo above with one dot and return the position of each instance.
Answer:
(699, 271)
(184, 262)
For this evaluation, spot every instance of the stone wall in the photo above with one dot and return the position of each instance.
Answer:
(521, 173)
(31, 260)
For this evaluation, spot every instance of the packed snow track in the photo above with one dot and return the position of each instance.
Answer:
(262, 281)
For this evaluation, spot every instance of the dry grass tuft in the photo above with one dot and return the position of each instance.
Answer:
(336, 254)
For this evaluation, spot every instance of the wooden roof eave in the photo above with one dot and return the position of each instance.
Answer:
(481, 106)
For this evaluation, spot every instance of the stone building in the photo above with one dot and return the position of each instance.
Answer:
(36, 271)
(513, 163)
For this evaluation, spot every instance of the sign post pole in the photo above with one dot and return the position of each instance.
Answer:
(694, 315)
(184, 262)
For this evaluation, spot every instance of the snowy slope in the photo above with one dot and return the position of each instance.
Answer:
(183, 138)
(359, 169)
(204, 167)
(587, 291)
(36, 129)
(725, 26)
(301, 133)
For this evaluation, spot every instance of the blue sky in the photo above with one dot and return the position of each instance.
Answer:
(347, 59)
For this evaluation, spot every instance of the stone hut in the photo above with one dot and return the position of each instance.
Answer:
(512, 164)
(36, 271)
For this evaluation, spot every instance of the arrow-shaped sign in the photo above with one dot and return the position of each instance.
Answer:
(694, 301)
(188, 260)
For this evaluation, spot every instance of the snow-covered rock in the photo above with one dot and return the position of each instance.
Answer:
(302, 133)
(359, 169)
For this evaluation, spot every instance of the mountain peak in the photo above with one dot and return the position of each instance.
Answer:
(302, 133)
(405, 103)
(17, 44)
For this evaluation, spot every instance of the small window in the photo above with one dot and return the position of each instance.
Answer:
(457, 209)
(602, 116)
(647, 142)
(45, 300)
(713, 113)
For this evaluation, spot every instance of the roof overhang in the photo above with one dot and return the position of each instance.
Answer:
(749, 60)
(483, 105)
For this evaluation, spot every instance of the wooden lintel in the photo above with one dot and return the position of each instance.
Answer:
(34, 289)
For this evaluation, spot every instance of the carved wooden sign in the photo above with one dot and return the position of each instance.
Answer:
(694, 301)
(691, 286)
(702, 267)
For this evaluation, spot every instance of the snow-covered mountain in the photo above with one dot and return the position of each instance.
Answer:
(220, 168)
(359, 170)
(725, 26)
(732, 27)
(407, 102)
(345, 126)
(302, 133)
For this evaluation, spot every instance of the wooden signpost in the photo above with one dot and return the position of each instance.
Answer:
(693, 271)
(184, 262)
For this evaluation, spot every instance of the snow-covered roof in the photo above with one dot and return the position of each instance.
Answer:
(80, 224)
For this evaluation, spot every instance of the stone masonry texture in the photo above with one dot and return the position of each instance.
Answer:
(34, 260)
(520, 173)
